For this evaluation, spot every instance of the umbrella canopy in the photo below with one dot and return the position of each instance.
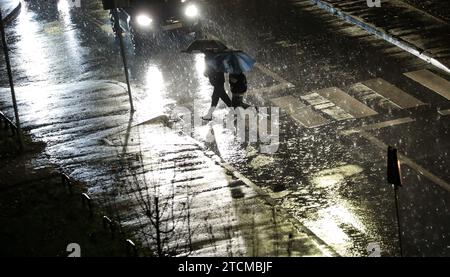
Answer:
(232, 61)
(206, 45)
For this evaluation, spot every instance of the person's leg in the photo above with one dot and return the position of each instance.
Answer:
(238, 101)
(224, 96)
(215, 97)
(214, 101)
(235, 100)
(218, 81)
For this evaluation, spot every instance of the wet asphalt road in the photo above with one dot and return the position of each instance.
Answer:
(331, 180)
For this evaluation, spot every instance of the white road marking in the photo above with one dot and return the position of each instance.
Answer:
(270, 89)
(346, 102)
(274, 75)
(388, 123)
(327, 107)
(368, 95)
(286, 44)
(379, 125)
(393, 93)
(300, 112)
(432, 81)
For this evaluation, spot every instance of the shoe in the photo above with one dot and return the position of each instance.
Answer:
(245, 106)
(207, 117)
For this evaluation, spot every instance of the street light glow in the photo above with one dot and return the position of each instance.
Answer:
(191, 11)
(144, 20)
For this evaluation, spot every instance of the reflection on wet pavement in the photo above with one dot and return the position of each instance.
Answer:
(64, 61)
(74, 119)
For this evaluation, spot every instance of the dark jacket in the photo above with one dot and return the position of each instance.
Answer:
(238, 83)
(215, 78)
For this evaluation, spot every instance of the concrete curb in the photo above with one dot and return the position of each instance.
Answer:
(420, 53)
(12, 14)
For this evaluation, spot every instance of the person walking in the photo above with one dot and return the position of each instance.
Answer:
(220, 60)
(217, 80)
(238, 87)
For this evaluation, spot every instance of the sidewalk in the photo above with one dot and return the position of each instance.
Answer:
(39, 216)
(141, 171)
(411, 29)
(10, 8)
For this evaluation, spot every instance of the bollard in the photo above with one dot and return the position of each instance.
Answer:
(131, 246)
(86, 198)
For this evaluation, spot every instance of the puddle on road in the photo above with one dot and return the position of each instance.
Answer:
(335, 176)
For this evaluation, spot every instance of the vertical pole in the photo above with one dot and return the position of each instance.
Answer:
(398, 220)
(11, 83)
(122, 52)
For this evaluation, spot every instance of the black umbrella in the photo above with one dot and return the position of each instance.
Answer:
(206, 45)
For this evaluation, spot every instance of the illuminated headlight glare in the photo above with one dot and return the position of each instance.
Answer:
(144, 20)
(191, 11)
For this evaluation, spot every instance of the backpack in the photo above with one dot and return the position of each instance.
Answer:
(238, 83)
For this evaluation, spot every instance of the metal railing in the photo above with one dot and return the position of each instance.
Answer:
(108, 224)
(7, 123)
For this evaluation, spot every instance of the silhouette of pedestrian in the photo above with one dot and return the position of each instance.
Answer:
(217, 80)
(238, 86)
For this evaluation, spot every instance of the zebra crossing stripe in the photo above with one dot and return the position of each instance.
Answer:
(303, 114)
(379, 125)
(340, 105)
(346, 102)
(370, 97)
(324, 105)
(432, 81)
(393, 93)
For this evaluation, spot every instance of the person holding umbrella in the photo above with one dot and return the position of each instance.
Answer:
(220, 60)
(235, 62)
(238, 86)
(216, 77)
(217, 80)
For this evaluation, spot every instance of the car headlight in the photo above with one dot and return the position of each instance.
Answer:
(191, 11)
(144, 20)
